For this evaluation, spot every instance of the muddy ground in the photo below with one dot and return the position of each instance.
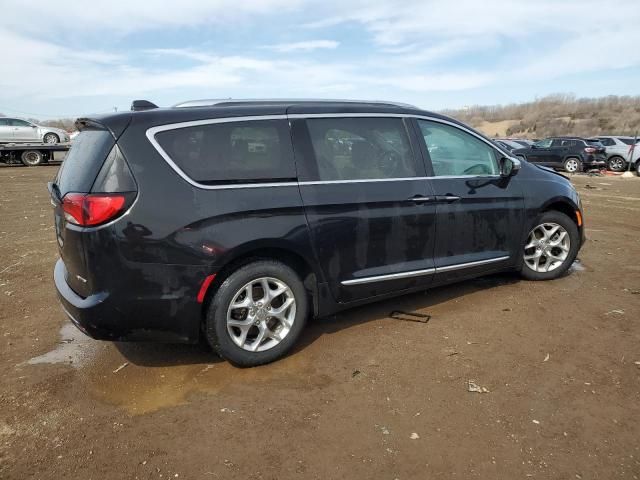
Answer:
(364, 395)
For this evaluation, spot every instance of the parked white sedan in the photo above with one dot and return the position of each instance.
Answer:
(15, 130)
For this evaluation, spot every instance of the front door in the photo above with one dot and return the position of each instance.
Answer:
(23, 131)
(369, 208)
(480, 214)
(540, 152)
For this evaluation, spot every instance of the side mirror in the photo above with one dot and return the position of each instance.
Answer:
(509, 166)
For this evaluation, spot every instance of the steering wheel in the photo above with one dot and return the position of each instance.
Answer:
(477, 169)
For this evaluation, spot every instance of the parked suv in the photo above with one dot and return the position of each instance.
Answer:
(236, 221)
(572, 154)
(16, 130)
(618, 151)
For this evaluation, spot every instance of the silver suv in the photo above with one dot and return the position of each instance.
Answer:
(618, 151)
(19, 130)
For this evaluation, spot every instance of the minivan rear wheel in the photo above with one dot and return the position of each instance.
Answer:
(551, 247)
(257, 313)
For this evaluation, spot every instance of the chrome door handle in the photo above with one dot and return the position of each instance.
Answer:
(420, 199)
(447, 198)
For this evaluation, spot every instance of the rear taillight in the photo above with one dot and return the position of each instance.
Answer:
(590, 150)
(88, 210)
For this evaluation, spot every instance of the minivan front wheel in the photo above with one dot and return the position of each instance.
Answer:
(257, 314)
(551, 247)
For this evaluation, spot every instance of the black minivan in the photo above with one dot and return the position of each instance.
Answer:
(234, 221)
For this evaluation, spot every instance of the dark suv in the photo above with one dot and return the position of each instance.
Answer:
(236, 221)
(571, 154)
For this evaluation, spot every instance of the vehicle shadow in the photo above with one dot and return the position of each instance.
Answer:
(165, 355)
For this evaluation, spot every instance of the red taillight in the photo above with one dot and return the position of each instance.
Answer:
(590, 150)
(88, 210)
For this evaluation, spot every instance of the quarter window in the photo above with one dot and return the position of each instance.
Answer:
(454, 152)
(361, 148)
(232, 152)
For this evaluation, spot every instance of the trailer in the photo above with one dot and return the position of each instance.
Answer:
(30, 154)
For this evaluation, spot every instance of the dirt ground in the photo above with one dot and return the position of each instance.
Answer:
(363, 396)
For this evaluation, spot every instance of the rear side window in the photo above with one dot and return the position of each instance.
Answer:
(627, 141)
(361, 148)
(231, 152)
(84, 160)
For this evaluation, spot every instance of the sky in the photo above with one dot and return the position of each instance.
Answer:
(69, 58)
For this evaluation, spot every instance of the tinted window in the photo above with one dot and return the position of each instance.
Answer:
(546, 143)
(564, 143)
(82, 163)
(627, 141)
(361, 148)
(4, 122)
(14, 122)
(592, 141)
(232, 152)
(456, 152)
(607, 142)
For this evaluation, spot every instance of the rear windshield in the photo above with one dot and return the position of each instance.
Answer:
(82, 163)
(254, 151)
(627, 141)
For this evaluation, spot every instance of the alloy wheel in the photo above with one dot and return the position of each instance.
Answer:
(572, 165)
(261, 314)
(547, 247)
(616, 164)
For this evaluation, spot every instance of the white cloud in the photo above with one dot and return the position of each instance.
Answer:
(305, 46)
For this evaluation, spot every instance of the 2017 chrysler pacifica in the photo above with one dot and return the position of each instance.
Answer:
(235, 221)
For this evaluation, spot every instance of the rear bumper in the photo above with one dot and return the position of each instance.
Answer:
(104, 316)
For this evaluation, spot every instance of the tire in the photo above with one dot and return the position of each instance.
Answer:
(638, 169)
(616, 164)
(572, 165)
(32, 158)
(225, 338)
(51, 138)
(546, 251)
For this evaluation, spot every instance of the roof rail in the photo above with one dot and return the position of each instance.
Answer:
(222, 101)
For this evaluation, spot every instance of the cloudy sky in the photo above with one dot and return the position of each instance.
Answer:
(67, 57)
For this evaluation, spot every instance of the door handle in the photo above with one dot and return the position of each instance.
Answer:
(447, 198)
(420, 199)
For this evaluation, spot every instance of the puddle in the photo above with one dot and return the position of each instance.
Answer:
(140, 389)
(74, 348)
(158, 376)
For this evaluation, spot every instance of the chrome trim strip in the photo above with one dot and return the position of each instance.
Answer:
(418, 273)
(391, 276)
(460, 266)
(151, 132)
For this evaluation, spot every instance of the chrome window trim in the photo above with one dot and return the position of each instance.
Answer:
(151, 132)
(418, 273)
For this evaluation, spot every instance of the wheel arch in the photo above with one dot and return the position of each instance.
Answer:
(275, 250)
(563, 205)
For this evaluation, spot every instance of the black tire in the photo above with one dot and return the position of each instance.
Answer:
(553, 216)
(569, 163)
(216, 320)
(638, 168)
(51, 138)
(616, 164)
(32, 158)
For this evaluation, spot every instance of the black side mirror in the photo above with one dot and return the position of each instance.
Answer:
(509, 166)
